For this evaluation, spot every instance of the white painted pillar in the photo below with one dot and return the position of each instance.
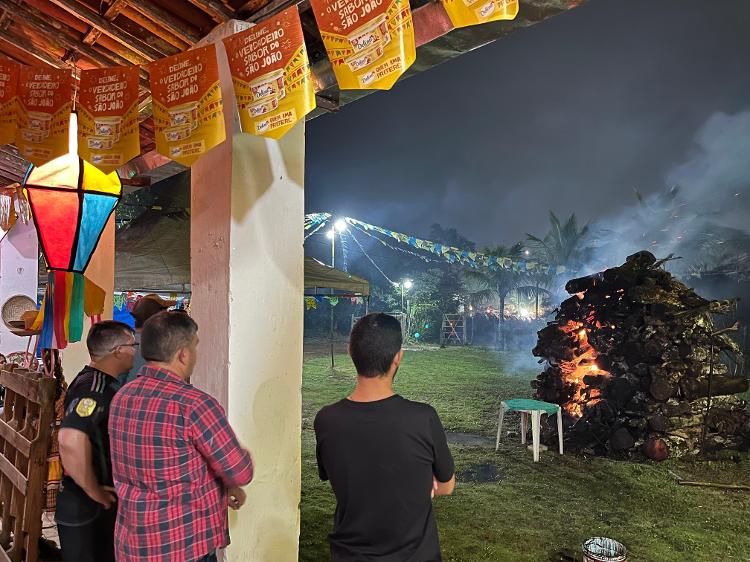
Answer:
(19, 267)
(247, 282)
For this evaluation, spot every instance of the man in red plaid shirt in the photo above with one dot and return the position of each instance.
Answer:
(176, 462)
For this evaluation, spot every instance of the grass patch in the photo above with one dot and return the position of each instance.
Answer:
(533, 512)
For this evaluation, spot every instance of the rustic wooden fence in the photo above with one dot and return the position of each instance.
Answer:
(25, 426)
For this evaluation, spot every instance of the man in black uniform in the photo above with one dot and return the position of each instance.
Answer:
(86, 505)
(386, 457)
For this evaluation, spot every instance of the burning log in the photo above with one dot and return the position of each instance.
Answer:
(629, 358)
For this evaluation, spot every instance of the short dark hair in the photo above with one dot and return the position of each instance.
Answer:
(144, 309)
(105, 336)
(374, 342)
(165, 333)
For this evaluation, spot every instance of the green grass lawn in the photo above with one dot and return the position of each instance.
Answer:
(534, 512)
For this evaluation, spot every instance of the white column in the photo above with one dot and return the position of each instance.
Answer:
(247, 280)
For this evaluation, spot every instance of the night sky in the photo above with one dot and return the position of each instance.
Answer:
(567, 115)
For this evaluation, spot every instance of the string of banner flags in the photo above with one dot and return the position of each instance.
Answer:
(369, 44)
(316, 221)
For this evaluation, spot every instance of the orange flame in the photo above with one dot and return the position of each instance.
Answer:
(583, 364)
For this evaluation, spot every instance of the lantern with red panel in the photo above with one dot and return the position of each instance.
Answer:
(71, 202)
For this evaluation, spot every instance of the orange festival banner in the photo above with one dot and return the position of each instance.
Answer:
(44, 96)
(8, 99)
(370, 43)
(108, 117)
(187, 103)
(463, 13)
(271, 75)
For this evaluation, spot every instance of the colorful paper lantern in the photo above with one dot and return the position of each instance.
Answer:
(71, 202)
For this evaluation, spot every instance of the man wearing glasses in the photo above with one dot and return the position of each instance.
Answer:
(86, 505)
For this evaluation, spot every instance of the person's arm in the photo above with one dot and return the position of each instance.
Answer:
(443, 468)
(217, 443)
(75, 454)
(318, 453)
(444, 488)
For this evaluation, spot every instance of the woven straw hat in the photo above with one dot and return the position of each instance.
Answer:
(13, 311)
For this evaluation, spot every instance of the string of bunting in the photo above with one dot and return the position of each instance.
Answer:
(376, 266)
(455, 255)
(422, 257)
(311, 303)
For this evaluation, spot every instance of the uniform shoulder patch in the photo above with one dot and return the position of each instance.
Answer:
(86, 407)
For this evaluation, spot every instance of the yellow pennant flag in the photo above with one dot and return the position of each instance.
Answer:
(187, 102)
(108, 133)
(472, 12)
(44, 96)
(271, 75)
(370, 43)
(9, 72)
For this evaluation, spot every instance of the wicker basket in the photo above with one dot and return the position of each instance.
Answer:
(13, 310)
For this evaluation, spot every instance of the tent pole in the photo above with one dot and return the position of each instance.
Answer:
(332, 360)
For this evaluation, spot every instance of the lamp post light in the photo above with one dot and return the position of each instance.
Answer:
(405, 284)
(339, 226)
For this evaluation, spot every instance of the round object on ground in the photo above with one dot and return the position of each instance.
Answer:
(621, 440)
(656, 449)
(602, 549)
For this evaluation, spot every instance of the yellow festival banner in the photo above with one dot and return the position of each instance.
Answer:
(271, 75)
(187, 103)
(370, 43)
(44, 96)
(8, 98)
(108, 117)
(472, 12)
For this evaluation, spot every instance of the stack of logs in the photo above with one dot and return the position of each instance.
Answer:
(635, 360)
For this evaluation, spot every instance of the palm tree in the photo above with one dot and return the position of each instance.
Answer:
(497, 283)
(561, 246)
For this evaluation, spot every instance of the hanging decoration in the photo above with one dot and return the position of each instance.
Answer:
(9, 72)
(463, 13)
(311, 303)
(71, 202)
(187, 104)
(370, 43)
(108, 134)
(44, 106)
(455, 255)
(13, 207)
(271, 75)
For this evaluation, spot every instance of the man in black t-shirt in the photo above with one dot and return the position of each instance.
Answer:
(86, 505)
(386, 457)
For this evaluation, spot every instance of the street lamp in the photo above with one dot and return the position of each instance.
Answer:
(405, 284)
(339, 226)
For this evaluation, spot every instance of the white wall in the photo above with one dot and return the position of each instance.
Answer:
(18, 276)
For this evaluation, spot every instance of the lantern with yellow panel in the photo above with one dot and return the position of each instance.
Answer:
(71, 202)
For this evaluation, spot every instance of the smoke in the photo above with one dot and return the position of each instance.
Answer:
(701, 214)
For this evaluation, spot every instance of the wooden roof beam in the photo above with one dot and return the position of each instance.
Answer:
(32, 20)
(23, 44)
(146, 23)
(217, 10)
(112, 12)
(165, 20)
(109, 29)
